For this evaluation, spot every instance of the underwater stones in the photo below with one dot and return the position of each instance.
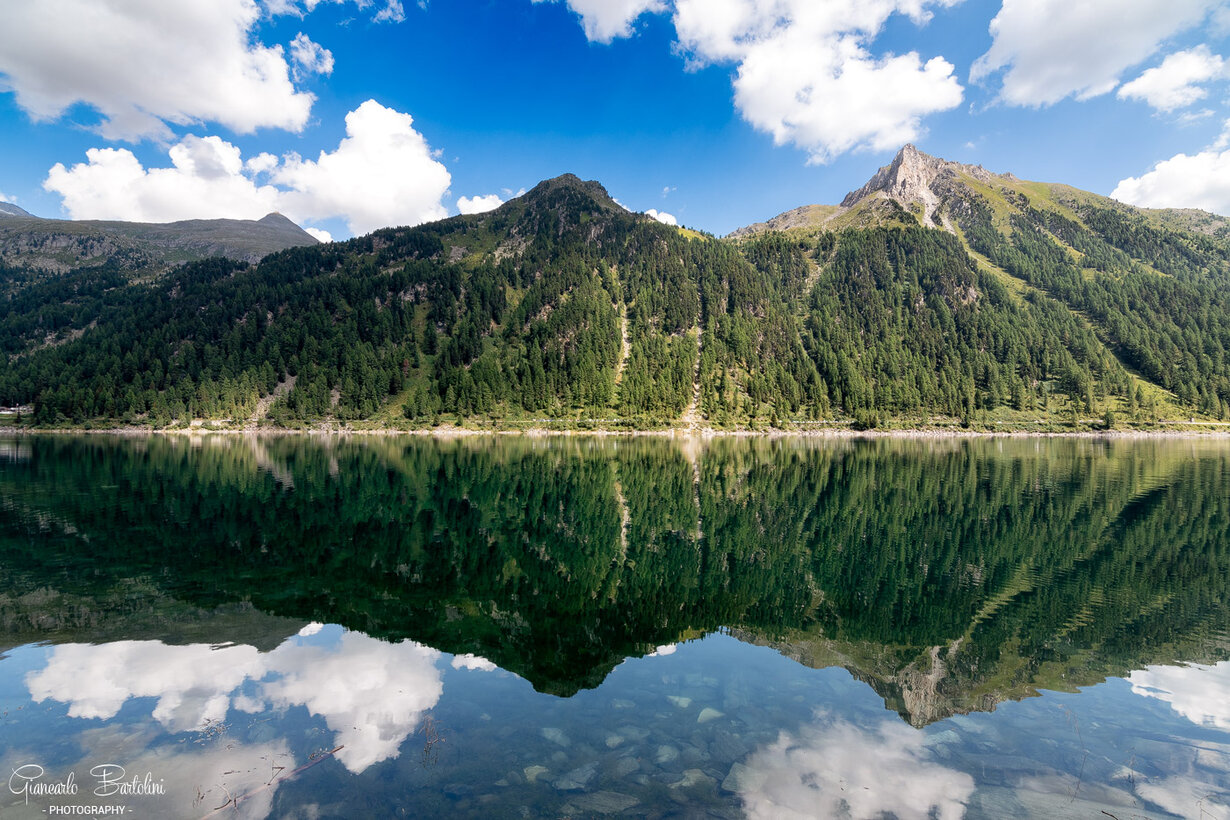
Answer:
(633, 733)
(693, 756)
(693, 777)
(726, 746)
(666, 754)
(577, 779)
(707, 714)
(605, 802)
(532, 773)
(622, 703)
(680, 701)
(614, 740)
(743, 779)
(556, 736)
(625, 766)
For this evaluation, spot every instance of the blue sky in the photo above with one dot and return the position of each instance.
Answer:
(348, 116)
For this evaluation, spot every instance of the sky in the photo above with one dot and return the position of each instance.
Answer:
(351, 115)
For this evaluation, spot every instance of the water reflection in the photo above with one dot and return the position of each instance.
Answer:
(371, 694)
(934, 615)
(833, 768)
(1199, 693)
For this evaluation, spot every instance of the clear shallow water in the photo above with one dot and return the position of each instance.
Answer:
(314, 628)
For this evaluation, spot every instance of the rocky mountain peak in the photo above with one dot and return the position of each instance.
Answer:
(914, 177)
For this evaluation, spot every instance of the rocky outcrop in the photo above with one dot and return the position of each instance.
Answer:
(915, 178)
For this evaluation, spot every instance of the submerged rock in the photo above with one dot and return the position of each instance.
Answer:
(556, 736)
(680, 701)
(578, 778)
(707, 714)
(605, 802)
(625, 766)
(694, 777)
(743, 779)
(666, 754)
(532, 773)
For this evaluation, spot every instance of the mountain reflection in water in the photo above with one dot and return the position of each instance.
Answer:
(179, 584)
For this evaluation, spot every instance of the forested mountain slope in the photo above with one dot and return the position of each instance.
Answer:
(946, 293)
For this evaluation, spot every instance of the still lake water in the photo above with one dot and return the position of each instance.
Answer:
(339, 628)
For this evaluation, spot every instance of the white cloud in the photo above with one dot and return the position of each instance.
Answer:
(472, 661)
(661, 216)
(145, 63)
(6, 198)
(194, 779)
(606, 20)
(479, 204)
(846, 770)
(1175, 83)
(320, 234)
(192, 683)
(805, 73)
(371, 694)
(310, 57)
(391, 11)
(1199, 181)
(382, 173)
(1199, 693)
(205, 180)
(1052, 49)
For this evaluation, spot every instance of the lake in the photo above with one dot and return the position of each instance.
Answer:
(314, 627)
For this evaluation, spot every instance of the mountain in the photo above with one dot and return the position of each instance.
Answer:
(928, 188)
(938, 294)
(59, 246)
(9, 209)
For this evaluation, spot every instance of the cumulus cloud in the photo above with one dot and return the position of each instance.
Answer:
(1197, 181)
(661, 216)
(606, 20)
(6, 198)
(382, 173)
(1176, 82)
(144, 63)
(845, 770)
(310, 57)
(320, 234)
(805, 73)
(1052, 49)
(472, 661)
(479, 204)
(1199, 693)
(371, 694)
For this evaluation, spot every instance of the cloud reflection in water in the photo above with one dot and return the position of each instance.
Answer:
(836, 768)
(371, 694)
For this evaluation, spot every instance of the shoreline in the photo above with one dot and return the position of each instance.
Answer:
(444, 432)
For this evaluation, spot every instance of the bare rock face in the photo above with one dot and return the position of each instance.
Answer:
(912, 177)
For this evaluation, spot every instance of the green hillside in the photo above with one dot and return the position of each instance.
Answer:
(985, 302)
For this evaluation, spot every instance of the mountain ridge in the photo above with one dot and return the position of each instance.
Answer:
(1036, 307)
(920, 183)
(59, 245)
